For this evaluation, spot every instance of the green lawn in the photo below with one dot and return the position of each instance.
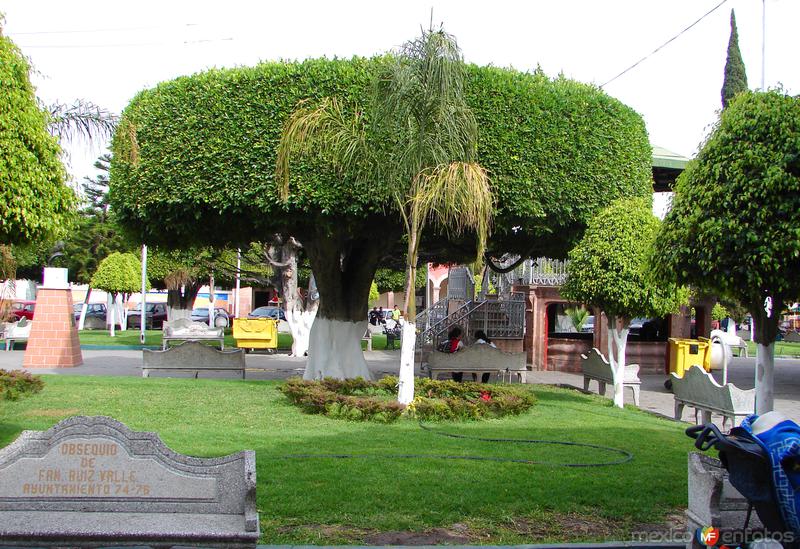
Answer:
(337, 501)
(153, 339)
(782, 348)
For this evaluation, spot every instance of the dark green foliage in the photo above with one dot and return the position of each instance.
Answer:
(15, 384)
(34, 200)
(95, 235)
(557, 152)
(734, 229)
(609, 268)
(358, 399)
(198, 152)
(735, 72)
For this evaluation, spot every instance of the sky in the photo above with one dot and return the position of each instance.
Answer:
(106, 52)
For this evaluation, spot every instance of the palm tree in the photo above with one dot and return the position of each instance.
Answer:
(422, 139)
(82, 119)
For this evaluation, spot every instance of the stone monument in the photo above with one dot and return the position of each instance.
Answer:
(91, 481)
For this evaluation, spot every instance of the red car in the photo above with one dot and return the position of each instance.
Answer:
(21, 309)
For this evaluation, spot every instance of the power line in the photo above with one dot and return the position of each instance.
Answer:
(118, 29)
(129, 45)
(712, 10)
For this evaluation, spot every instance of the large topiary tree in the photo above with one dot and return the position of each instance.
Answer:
(610, 269)
(422, 141)
(197, 155)
(34, 199)
(735, 73)
(734, 228)
(120, 275)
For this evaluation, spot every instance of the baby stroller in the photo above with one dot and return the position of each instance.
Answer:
(762, 459)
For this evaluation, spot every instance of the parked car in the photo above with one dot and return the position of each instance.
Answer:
(221, 318)
(95, 315)
(21, 309)
(588, 325)
(155, 316)
(275, 313)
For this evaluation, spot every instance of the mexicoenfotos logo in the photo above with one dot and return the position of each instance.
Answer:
(708, 536)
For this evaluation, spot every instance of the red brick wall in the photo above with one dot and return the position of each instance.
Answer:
(53, 342)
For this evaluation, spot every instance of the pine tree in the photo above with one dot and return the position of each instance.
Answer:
(735, 73)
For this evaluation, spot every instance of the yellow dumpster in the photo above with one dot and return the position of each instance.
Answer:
(256, 333)
(684, 353)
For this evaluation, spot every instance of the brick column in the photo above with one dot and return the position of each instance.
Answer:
(53, 342)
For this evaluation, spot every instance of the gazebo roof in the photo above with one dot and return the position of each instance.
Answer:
(667, 166)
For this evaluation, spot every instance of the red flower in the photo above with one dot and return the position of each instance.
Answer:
(486, 396)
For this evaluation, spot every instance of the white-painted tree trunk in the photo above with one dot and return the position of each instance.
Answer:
(405, 392)
(110, 315)
(335, 350)
(122, 313)
(300, 323)
(211, 319)
(765, 378)
(621, 341)
(174, 313)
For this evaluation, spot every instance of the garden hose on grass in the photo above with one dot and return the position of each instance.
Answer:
(625, 455)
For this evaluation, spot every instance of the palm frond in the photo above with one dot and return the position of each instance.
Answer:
(326, 129)
(457, 197)
(83, 119)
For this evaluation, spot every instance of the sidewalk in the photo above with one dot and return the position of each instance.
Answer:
(654, 397)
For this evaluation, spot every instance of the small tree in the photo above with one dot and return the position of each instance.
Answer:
(120, 274)
(719, 312)
(734, 225)
(609, 269)
(735, 73)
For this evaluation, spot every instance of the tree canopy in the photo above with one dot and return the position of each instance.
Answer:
(734, 228)
(119, 273)
(203, 148)
(610, 269)
(34, 199)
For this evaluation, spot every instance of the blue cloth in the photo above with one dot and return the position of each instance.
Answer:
(782, 444)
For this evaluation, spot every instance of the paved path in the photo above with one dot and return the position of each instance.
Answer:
(654, 397)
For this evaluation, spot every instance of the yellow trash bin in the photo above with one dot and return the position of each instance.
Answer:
(256, 333)
(684, 353)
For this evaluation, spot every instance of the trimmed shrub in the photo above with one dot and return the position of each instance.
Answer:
(15, 384)
(361, 400)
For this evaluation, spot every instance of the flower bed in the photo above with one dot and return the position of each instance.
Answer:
(16, 383)
(361, 400)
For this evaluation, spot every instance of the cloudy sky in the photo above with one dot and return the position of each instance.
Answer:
(107, 51)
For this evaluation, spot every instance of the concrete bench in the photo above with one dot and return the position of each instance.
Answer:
(92, 482)
(594, 366)
(16, 331)
(699, 389)
(732, 341)
(184, 329)
(479, 359)
(193, 356)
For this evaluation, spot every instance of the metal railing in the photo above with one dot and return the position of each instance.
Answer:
(542, 271)
(499, 318)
